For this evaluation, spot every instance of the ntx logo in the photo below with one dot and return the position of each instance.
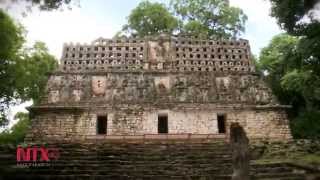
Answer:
(36, 154)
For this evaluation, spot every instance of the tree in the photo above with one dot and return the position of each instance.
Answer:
(150, 19)
(31, 72)
(22, 70)
(293, 82)
(209, 18)
(203, 18)
(49, 4)
(276, 60)
(299, 19)
(44, 5)
(11, 40)
(306, 125)
(290, 13)
(18, 132)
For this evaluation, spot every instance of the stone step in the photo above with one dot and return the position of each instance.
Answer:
(119, 177)
(137, 154)
(283, 178)
(279, 175)
(272, 169)
(153, 150)
(152, 160)
(131, 172)
(152, 157)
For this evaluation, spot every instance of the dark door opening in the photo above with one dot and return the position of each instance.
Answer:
(162, 124)
(221, 123)
(102, 124)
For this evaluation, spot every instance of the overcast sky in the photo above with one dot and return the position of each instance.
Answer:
(103, 18)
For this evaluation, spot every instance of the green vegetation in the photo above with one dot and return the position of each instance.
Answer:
(31, 72)
(150, 19)
(17, 133)
(23, 75)
(11, 40)
(299, 159)
(306, 124)
(292, 62)
(310, 159)
(44, 5)
(301, 152)
(205, 18)
(209, 18)
(23, 70)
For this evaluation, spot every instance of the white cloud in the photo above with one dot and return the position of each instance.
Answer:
(14, 110)
(312, 15)
(81, 25)
(56, 28)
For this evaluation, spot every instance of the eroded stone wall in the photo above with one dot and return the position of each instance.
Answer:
(133, 81)
(142, 119)
(161, 87)
(163, 53)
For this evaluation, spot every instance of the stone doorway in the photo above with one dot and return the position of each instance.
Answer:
(221, 123)
(102, 124)
(163, 124)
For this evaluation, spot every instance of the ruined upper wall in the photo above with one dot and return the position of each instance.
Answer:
(162, 53)
(129, 71)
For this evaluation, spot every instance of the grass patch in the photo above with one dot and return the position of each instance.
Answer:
(309, 159)
(306, 159)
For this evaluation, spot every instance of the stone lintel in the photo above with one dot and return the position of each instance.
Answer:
(172, 106)
(153, 72)
(55, 108)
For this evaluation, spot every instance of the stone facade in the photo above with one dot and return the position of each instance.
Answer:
(132, 82)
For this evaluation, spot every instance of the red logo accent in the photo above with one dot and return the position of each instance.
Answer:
(37, 154)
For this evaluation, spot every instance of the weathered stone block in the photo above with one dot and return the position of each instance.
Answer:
(132, 82)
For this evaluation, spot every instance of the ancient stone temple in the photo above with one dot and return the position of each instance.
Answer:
(157, 85)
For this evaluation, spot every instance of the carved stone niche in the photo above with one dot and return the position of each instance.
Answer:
(76, 95)
(99, 84)
(53, 96)
(54, 82)
(162, 81)
(223, 82)
(158, 51)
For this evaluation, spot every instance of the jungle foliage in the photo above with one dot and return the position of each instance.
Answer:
(292, 62)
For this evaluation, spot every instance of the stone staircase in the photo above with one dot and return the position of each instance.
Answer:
(282, 171)
(155, 159)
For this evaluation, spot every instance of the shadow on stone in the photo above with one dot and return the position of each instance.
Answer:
(240, 152)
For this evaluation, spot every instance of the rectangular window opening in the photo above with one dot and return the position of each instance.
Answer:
(163, 124)
(221, 123)
(102, 124)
